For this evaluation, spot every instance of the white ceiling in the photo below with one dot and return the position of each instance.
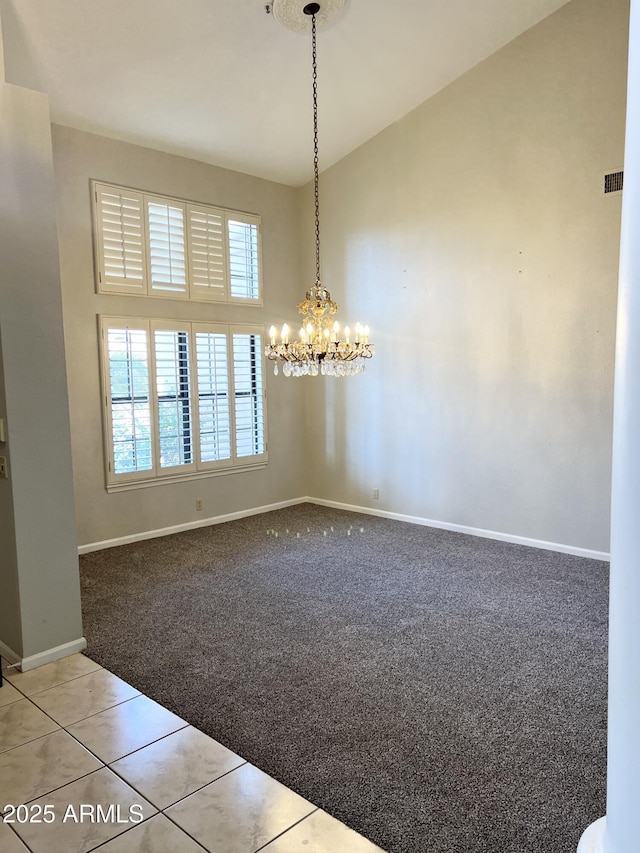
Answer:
(221, 81)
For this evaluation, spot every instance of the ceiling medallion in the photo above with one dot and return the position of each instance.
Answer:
(291, 14)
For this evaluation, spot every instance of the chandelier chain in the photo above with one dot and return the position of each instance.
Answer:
(315, 144)
(320, 348)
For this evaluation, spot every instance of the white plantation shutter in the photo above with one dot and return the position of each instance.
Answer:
(243, 233)
(181, 399)
(214, 403)
(173, 397)
(128, 400)
(120, 245)
(151, 245)
(207, 252)
(167, 253)
(248, 394)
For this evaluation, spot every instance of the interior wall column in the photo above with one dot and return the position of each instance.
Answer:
(40, 615)
(619, 832)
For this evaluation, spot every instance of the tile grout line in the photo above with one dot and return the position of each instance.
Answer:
(65, 726)
(31, 739)
(120, 834)
(182, 829)
(68, 725)
(201, 787)
(13, 701)
(146, 820)
(106, 763)
(108, 766)
(60, 787)
(187, 725)
(297, 823)
(19, 837)
(59, 684)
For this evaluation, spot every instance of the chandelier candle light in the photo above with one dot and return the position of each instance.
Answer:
(320, 347)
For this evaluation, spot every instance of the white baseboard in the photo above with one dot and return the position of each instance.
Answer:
(47, 656)
(189, 525)
(471, 531)
(8, 654)
(396, 516)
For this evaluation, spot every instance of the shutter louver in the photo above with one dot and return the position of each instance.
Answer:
(120, 240)
(249, 409)
(207, 254)
(174, 404)
(167, 261)
(213, 396)
(244, 255)
(129, 395)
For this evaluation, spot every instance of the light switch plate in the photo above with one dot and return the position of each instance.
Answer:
(3, 434)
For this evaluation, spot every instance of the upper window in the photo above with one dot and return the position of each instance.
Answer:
(149, 245)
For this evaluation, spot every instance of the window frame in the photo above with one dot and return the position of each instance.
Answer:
(192, 292)
(197, 468)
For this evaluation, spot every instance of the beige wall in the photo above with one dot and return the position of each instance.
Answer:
(475, 236)
(474, 232)
(81, 156)
(40, 601)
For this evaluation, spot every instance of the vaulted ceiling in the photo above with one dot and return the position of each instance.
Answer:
(221, 81)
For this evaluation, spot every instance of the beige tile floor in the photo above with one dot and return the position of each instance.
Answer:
(94, 764)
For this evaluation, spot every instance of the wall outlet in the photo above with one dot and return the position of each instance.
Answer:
(376, 494)
(198, 504)
(4, 471)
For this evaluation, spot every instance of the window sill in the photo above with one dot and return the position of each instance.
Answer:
(130, 485)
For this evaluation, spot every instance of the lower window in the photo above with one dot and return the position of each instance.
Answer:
(181, 398)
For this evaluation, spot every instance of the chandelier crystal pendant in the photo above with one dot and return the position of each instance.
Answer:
(322, 347)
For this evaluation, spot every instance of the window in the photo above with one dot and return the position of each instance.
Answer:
(181, 399)
(149, 245)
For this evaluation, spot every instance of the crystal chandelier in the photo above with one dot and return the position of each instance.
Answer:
(321, 347)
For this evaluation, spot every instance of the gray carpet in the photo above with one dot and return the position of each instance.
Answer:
(437, 692)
